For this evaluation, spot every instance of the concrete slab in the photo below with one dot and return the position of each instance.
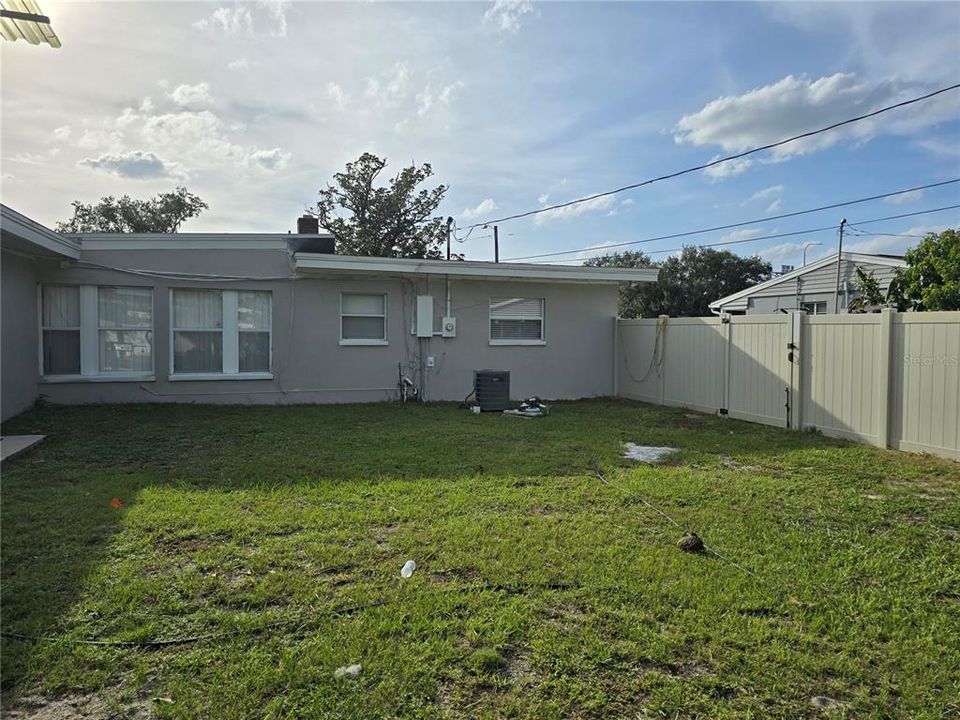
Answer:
(10, 445)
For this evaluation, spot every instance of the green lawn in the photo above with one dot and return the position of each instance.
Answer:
(540, 591)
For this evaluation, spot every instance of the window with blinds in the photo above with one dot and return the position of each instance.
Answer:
(93, 331)
(516, 321)
(363, 319)
(220, 332)
(60, 325)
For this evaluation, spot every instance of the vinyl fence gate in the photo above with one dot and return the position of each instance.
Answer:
(889, 379)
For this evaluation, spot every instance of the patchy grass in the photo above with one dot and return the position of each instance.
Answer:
(539, 593)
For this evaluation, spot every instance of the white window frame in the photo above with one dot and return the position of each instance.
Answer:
(90, 338)
(230, 343)
(368, 342)
(531, 342)
(815, 304)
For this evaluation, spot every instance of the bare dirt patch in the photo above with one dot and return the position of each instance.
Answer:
(89, 706)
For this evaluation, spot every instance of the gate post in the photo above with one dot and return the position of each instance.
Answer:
(726, 322)
(795, 358)
(883, 376)
(616, 356)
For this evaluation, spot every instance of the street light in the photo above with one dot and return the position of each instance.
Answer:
(809, 244)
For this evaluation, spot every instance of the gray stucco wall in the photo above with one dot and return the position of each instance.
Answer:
(310, 365)
(18, 344)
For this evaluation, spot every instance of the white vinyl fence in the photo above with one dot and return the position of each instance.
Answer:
(890, 379)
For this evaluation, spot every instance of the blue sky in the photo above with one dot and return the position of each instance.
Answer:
(515, 104)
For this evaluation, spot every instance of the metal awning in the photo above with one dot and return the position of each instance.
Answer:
(24, 20)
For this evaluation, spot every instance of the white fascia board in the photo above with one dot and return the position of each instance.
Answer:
(321, 263)
(36, 234)
(729, 302)
(186, 241)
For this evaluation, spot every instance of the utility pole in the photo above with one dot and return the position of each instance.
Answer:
(496, 244)
(836, 289)
(449, 225)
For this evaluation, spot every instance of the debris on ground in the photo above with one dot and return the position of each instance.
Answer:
(116, 503)
(348, 671)
(530, 408)
(534, 405)
(408, 567)
(646, 453)
(690, 542)
(825, 703)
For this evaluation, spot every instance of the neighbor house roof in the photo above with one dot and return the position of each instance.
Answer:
(326, 264)
(738, 300)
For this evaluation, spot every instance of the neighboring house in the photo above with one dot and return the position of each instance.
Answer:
(280, 318)
(811, 288)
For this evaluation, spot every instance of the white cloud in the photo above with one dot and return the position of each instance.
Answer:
(135, 164)
(103, 136)
(390, 88)
(543, 198)
(777, 254)
(434, 100)
(239, 64)
(230, 21)
(772, 191)
(30, 158)
(795, 105)
(484, 208)
(904, 198)
(199, 138)
(940, 147)
(336, 95)
(62, 133)
(744, 234)
(628, 201)
(505, 15)
(774, 206)
(277, 10)
(570, 212)
(191, 95)
(727, 169)
(274, 159)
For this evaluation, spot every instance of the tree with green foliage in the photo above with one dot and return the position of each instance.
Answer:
(687, 284)
(869, 291)
(163, 213)
(634, 297)
(931, 279)
(392, 220)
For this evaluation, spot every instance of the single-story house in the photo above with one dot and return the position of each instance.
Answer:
(811, 288)
(281, 318)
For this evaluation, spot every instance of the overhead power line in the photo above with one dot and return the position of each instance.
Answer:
(719, 161)
(808, 231)
(730, 226)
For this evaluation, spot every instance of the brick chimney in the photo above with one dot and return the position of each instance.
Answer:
(308, 225)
